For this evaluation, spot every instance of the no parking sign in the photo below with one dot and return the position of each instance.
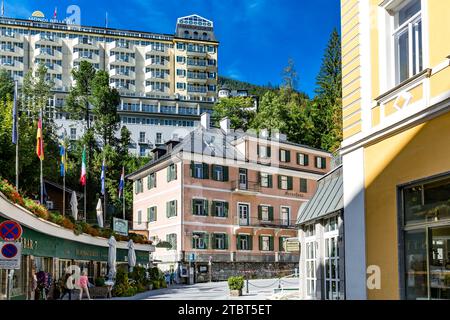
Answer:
(10, 254)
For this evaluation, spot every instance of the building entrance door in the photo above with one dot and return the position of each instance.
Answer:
(243, 181)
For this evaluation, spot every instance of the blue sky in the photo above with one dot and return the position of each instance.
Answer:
(256, 36)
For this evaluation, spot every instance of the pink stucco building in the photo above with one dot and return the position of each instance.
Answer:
(226, 197)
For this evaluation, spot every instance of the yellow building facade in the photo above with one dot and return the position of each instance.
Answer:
(396, 155)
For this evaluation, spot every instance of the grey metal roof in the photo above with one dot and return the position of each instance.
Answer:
(327, 199)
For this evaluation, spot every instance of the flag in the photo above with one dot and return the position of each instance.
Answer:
(55, 13)
(102, 177)
(122, 182)
(62, 153)
(3, 8)
(83, 167)
(40, 139)
(14, 128)
(106, 20)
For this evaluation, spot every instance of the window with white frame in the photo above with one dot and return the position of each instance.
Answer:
(311, 278)
(407, 35)
(331, 259)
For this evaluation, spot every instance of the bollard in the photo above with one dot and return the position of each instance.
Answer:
(247, 284)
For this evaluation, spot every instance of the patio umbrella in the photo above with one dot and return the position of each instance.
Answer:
(131, 255)
(112, 258)
(74, 205)
(99, 209)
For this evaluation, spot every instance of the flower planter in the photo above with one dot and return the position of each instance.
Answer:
(236, 293)
(99, 292)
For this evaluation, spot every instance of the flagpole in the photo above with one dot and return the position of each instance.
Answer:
(84, 202)
(42, 185)
(42, 177)
(64, 192)
(16, 124)
(123, 202)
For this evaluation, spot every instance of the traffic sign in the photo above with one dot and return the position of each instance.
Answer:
(10, 255)
(10, 230)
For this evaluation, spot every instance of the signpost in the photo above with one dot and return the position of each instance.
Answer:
(10, 249)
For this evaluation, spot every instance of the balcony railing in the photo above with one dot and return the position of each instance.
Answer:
(249, 186)
(254, 221)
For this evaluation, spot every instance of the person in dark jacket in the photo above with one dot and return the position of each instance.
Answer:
(67, 289)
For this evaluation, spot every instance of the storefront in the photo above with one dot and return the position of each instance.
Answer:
(425, 238)
(51, 248)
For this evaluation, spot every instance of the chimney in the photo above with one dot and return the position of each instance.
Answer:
(225, 125)
(205, 120)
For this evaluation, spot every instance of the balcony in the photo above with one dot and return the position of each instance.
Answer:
(121, 46)
(202, 54)
(127, 88)
(157, 50)
(122, 60)
(274, 223)
(11, 37)
(47, 53)
(196, 65)
(144, 142)
(53, 68)
(155, 90)
(85, 43)
(245, 188)
(197, 77)
(157, 63)
(49, 40)
(122, 74)
(13, 65)
(11, 50)
(157, 76)
(88, 56)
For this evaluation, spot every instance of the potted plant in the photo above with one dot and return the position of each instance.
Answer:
(235, 284)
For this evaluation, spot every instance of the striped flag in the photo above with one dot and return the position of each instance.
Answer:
(102, 178)
(122, 182)
(62, 153)
(14, 115)
(40, 139)
(83, 167)
(55, 13)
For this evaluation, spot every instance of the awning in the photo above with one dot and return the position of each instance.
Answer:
(327, 199)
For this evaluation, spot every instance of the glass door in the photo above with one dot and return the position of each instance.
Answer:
(243, 179)
(243, 214)
(439, 263)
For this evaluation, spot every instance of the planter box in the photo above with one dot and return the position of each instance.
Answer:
(236, 293)
(99, 292)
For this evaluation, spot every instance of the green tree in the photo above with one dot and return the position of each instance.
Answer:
(270, 112)
(36, 93)
(105, 101)
(239, 110)
(6, 85)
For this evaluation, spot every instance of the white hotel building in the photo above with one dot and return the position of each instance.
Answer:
(165, 80)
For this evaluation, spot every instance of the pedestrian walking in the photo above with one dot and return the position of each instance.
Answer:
(67, 289)
(83, 283)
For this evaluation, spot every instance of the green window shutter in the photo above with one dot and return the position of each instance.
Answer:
(167, 209)
(288, 156)
(225, 209)
(148, 215)
(175, 208)
(306, 159)
(303, 185)
(225, 241)
(148, 183)
(135, 187)
(205, 207)
(192, 168)
(298, 158)
(280, 244)
(213, 176)
(257, 150)
(193, 243)
(168, 174)
(250, 241)
(271, 243)
(175, 176)
(213, 209)
(279, 182)
(259, 212)
(271, 213)
(225, 173)
(193, 206)
(269, 152)
(270, 179)
(155, 210)
(206, 239)
(213, 241)
(289, 183)
(280, 152)
(205, 171)
(259, 178)
(260, 243)
(238, 242)
(154, 180)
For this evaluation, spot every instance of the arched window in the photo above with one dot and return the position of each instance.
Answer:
(186, 34)
(205, 36)
(195, 35)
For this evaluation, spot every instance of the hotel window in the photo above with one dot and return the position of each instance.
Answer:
(331, 260)
(302, 159)
(311, 278)
(263, 151)
(408, 40)
(284, 182)
(181, 72)
(172, 172)
(219, 209)
(265, 243)
(285, 156)
(199, 207)
(199, 240)
(171, 208)
(199, 170)
(303, 185)
(181, 59)
(265, 213)
(285, 216)
(142, 151)
(219, 173)
(73, 133)
(172, 239)
(151, 181)
(138, 187)
(151, 214)
(141, 137)
(244, 242)
(180, 46)
(321, 163)
(219, 241)
(158, 138)
(310, 230)
(265, 180)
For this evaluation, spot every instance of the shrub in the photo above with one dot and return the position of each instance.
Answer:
(99, 282)
(66, 223)
(10, 192)
(37, 209)
(236, 283)
(156, 284)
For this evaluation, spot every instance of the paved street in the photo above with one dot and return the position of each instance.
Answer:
(258, 290)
